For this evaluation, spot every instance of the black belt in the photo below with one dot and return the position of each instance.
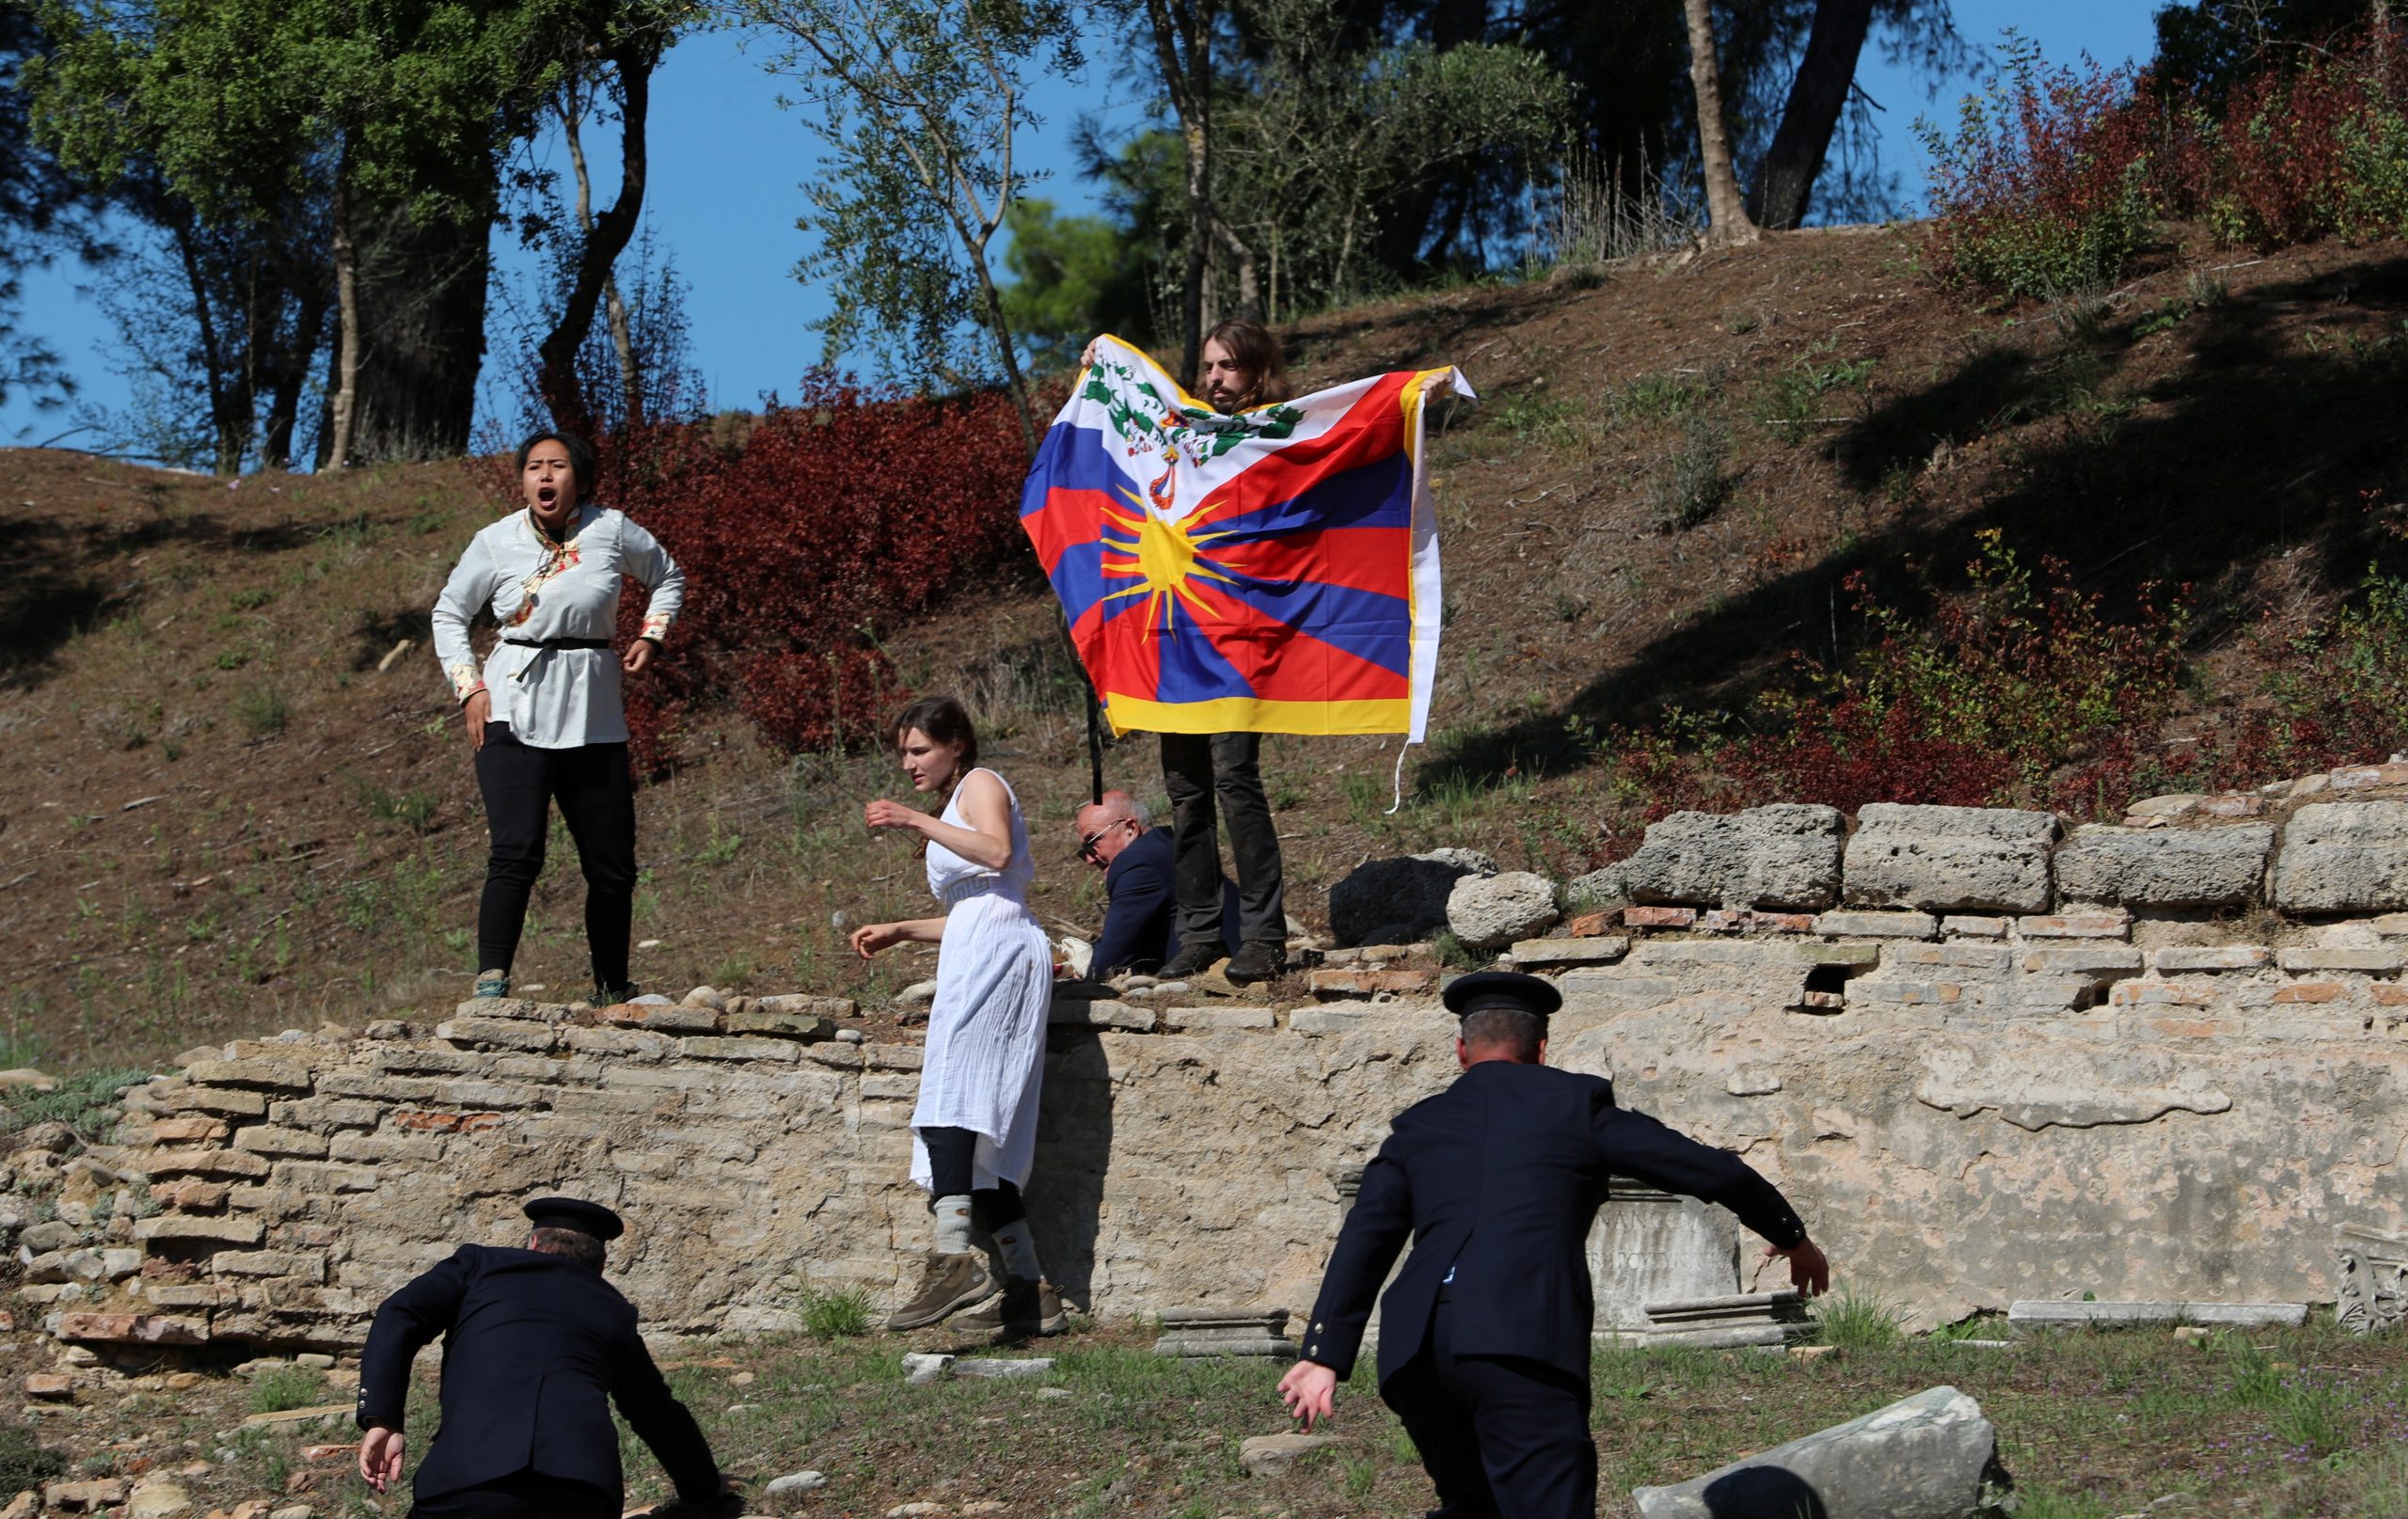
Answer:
(558, 644)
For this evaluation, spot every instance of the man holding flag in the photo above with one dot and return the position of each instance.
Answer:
(1236, 566)
(1244, 366)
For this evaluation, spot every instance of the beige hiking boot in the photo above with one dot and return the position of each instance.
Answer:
(947, 1284)
(1025, 1308)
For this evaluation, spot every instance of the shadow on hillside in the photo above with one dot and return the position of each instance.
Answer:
(2253, 451)
(49, 599)
(374, 635)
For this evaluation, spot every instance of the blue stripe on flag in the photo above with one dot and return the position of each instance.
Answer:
(1365, 623)
(1074, 459)
(1375, 495)
(1192, 669)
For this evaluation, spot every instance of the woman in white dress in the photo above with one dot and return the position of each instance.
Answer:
(974, 1130)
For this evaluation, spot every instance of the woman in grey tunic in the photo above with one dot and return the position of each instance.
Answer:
(543, 714)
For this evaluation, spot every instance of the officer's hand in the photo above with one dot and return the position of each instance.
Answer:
(1308, 1389)
(380, 1458)
(1808, 1272)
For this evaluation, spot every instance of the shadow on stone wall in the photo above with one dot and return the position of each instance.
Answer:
(1073, 1160)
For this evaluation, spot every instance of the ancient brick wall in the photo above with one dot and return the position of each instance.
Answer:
(1975, 1090)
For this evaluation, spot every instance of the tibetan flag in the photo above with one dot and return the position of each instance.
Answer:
(1273, 571)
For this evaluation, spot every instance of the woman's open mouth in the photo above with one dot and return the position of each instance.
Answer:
(548, 494)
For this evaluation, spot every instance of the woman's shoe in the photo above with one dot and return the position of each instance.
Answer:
(949, 1283)
(1025, 1308)
(493, 984)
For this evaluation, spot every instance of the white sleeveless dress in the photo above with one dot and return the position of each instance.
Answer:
(986, 1053)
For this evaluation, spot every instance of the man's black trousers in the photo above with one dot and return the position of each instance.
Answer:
(525, 1496)
(596, 797)
(1502, 1436)
(1198, 769)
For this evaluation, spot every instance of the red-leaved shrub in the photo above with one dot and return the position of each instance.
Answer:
(835, 516)
(2054, 175)
(2018, 694)
(2011, 693)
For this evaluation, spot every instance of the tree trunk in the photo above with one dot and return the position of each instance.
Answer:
(230, 408)
(1183, 54)
(1811, 114)
(1013, 379)
(605, 238)
(1724, 209)
(422, 302)
(291, 373)
(1249, 280)
(342, 407)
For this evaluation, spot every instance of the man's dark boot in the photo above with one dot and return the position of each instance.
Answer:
(1259, 961)
(1192, 960)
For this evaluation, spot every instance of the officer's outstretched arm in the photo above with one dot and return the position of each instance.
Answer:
(662, 1423)
(408, 1321)
(1635, 1145)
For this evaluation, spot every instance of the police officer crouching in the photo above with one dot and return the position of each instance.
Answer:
(536, 1347)
(1485, 1340)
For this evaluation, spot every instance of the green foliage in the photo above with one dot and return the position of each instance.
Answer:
(1321, 137)
(836, 1314)
(25, 1462)
(263, 709)
(922, 105)
(84, 1101)
(285, 1388)
(1534, 416)
(2044, 186)
(1856, 1321)
(412, 810)
(258, 138)
(1795, 400)
(1072, 277)
(1692, 481)
(1453, 953)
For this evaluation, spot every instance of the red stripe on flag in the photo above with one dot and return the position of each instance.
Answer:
(1378, 560)
(1372, 429)
(1068, 519)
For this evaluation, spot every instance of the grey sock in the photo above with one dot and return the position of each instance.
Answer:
(1019, 1248)
(953, 1223)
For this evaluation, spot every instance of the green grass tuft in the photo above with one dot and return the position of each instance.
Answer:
(287, 1387)
(837, 1313)
(1858, 1320)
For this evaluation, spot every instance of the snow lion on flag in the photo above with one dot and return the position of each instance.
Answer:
(1271, 571)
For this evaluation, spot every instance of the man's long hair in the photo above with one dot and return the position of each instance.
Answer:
(1256, 350)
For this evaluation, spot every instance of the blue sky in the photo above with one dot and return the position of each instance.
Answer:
(727, 162)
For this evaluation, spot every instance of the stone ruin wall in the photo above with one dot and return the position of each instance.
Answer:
(1998, 1063)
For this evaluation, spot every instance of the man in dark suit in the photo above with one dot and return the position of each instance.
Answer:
(1484, 1337)
(536, 1345)
(1116, 836)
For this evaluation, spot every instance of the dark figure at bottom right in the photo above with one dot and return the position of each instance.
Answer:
(1484, 1344)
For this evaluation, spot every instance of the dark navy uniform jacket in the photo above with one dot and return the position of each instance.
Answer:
(1141, 911)
(535, 1349)
(1499, 1178)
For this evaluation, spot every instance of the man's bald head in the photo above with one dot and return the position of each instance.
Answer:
(1106, 826)
(1113, 807)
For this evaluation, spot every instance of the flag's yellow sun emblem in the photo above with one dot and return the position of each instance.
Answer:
(1161, 556)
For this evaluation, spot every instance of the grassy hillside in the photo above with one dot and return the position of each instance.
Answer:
(223, 816)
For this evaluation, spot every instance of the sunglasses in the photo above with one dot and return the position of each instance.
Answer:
(1087, 844)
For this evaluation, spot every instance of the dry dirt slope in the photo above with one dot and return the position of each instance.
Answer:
(222, 816)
